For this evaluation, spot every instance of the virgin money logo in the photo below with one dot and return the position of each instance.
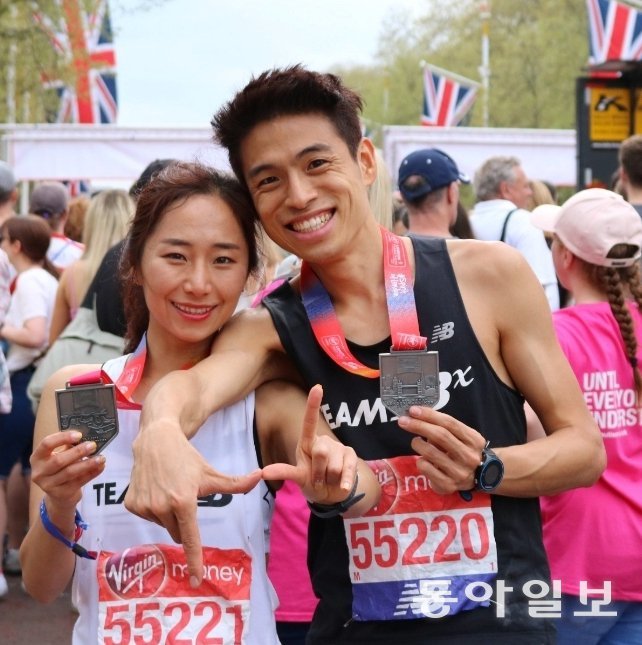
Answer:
(138, 572)
(389, 486)
(395, 255)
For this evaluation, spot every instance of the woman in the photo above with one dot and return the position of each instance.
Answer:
(25, 240)
(76, 217)
(188, 255)
(106, 223)
(593, 535)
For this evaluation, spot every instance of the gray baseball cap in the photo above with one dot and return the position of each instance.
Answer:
(7, 178)
(49, 198)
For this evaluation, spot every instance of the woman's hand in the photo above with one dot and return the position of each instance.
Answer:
(61, 466)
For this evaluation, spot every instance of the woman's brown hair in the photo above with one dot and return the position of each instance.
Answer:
(34, 236)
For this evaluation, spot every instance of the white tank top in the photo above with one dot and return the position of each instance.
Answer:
(138, 588)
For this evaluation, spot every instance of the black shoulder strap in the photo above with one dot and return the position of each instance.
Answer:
(508, 215)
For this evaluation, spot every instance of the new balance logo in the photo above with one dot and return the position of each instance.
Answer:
(443, 332)
(429, 598)
(409, 601)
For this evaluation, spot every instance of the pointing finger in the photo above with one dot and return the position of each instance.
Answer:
(190, 537)
(311, 419)
(281, 472)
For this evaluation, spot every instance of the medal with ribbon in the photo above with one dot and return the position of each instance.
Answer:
(88, 404)
(409, 374)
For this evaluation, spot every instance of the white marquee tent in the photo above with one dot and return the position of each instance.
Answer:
(548, 155)
(102, 154)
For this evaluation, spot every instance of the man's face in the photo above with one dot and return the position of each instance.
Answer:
(310, 193)
(519, 190)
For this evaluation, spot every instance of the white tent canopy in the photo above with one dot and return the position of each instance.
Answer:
(548, 155)
(105, 152)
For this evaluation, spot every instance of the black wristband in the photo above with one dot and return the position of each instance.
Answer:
(327, 511)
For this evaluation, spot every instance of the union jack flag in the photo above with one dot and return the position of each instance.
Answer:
(447, 97)
(82, 36)
(615, 31)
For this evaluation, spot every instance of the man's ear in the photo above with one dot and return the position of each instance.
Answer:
(624, 178)
(367, 160)
(453, 193)
(504, 190)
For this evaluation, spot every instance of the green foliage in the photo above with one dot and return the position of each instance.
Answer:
(537, 50)
(26, 54)
(27, 57)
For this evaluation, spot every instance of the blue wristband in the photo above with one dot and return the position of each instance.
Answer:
(52, 529)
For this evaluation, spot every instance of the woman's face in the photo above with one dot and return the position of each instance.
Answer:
(193, 270)
(557, 251)
(9, 247)
(4, 239)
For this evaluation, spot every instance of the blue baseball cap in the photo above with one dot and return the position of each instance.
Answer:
(426, 170)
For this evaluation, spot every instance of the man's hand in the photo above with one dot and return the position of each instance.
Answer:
(168, 476)
(449, 450)
(325, 469)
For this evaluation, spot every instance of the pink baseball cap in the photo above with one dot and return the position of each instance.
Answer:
(591, 223)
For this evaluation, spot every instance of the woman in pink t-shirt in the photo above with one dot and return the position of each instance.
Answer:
(593, 536)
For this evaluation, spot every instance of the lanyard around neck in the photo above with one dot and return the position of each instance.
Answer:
(129, 379)
(402, 311)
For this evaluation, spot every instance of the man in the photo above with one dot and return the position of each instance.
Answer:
(8, 192)
(50, 200)
(429, 185)
(8, 199)
(503, 191)
(294, 140)
(630, 157)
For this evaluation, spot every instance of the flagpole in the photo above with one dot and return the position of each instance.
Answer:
(484, 69)
(386, 94)
(11, 70)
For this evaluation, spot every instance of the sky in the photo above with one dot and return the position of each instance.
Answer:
(179, 60)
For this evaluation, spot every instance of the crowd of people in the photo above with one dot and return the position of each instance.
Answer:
(432, 412)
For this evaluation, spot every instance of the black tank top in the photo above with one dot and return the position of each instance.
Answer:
(470, 392)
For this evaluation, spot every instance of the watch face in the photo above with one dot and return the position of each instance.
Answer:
(492, 474)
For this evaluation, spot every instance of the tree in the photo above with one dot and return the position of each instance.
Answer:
(26, 54)
(27, 57)
(537, 49)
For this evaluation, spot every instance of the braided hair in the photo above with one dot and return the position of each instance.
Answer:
(619, 284)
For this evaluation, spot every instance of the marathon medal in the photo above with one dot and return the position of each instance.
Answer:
(91, 409)
(408, 377)
(409, 374)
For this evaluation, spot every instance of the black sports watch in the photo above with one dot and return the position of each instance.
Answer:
(490, 472)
